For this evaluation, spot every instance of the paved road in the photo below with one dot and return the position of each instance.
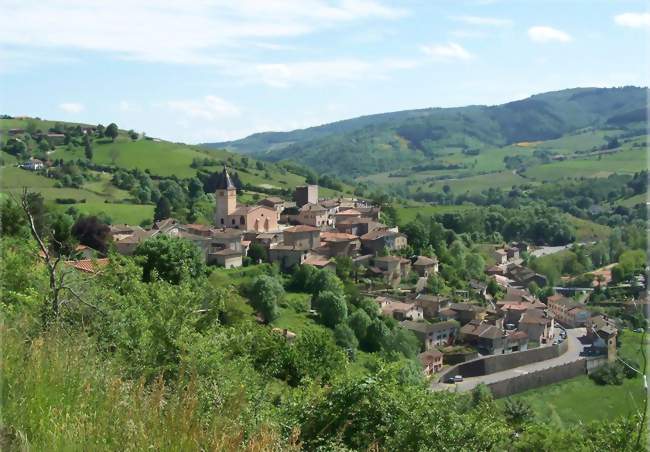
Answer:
(572, 354)
(546, 250)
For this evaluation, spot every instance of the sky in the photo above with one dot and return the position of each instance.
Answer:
(215, 70)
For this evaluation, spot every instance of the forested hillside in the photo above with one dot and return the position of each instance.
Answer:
(435, 137)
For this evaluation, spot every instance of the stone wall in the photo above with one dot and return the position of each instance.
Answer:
(497, 363)
(525, 382)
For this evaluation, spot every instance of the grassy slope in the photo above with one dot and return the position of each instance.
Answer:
(161, 158)
(581, 400)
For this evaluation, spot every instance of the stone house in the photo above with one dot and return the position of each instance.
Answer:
(302, 236)
(463, 312)
(431, 361)
(537, 326)
(425, 266)
(399, 310)
(287, 256)
(492, 340)
(376, 241)
(358, 226)
(567, 312)
(500, 256)
(313, 215)
(346, 214)
(393, 268)
(433, 334)
(524, 276)
(336, 244)
(431, 305)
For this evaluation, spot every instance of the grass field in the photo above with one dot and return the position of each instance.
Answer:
(588, 231)
(581, 400)
(626, 161)
(408, 213)
(634, 200)
(120, 213)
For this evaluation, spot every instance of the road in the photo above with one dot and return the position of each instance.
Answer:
(546, 250)
(572, 354)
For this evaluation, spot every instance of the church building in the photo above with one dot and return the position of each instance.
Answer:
(248, 218)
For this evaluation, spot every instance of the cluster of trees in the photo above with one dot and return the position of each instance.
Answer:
(356, 320)
(459, 261)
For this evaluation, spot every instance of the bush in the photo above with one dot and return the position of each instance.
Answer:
(69, 201)
(609, 374)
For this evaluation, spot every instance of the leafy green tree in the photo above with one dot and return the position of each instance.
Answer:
(303, 278)
(325, 280)
(172, 259)
(163, 209)
(518, 412)
(333, 308)
(88, 148)
(101, 130)
(481, 394)
(375, 336)
(344, 267)
(257, 253)
(359, 322)
(401, 342)
(346, 339)
(317, 357)
(61, 226)
(436, 284)
(265, 294)
(195, 188)
(111, 131)
(133, 135)
(12, 219)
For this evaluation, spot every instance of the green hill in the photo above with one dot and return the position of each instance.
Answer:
(95, 193)
(451, 138)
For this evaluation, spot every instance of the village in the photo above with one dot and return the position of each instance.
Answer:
(455, 332)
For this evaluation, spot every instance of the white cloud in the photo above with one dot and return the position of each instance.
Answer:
(197, 32)
(208, 108)
(71, 107)
(283, 75)
(450, 51)
(541, 33)
(484, 21)
(633, 20)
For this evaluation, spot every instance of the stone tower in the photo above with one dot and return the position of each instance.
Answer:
(226, 200)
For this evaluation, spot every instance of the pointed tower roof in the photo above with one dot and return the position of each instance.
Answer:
(226, 182)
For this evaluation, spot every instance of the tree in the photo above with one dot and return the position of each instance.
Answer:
(492, 287)
(344, 267)
(133, 135)
(101, 130)
(481, 394)
(88, 148)
(375, 336)
(325, 280)
(346, 339)
(12, 219)
(359, 322)
(518, 412)
(257, 253)
(163, 209)
(195, 188)
(111, 131)
(401, 342)
(332, 307)
(265, 294)
(172, 259)
(92, 232)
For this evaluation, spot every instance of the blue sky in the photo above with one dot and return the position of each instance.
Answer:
(212, 70)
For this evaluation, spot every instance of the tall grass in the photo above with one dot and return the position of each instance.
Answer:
(59, 394)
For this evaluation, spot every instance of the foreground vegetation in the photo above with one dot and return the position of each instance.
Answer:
(148, 355)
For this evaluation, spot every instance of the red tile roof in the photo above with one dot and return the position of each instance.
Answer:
(89, 265)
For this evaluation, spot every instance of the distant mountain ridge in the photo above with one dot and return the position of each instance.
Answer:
(387, 141)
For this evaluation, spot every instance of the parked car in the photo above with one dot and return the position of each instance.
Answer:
(458, 379)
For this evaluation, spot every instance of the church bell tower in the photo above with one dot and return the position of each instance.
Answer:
(226, 200)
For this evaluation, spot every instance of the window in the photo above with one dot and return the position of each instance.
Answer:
(233, 221)
(242, 220)
(222, 222)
